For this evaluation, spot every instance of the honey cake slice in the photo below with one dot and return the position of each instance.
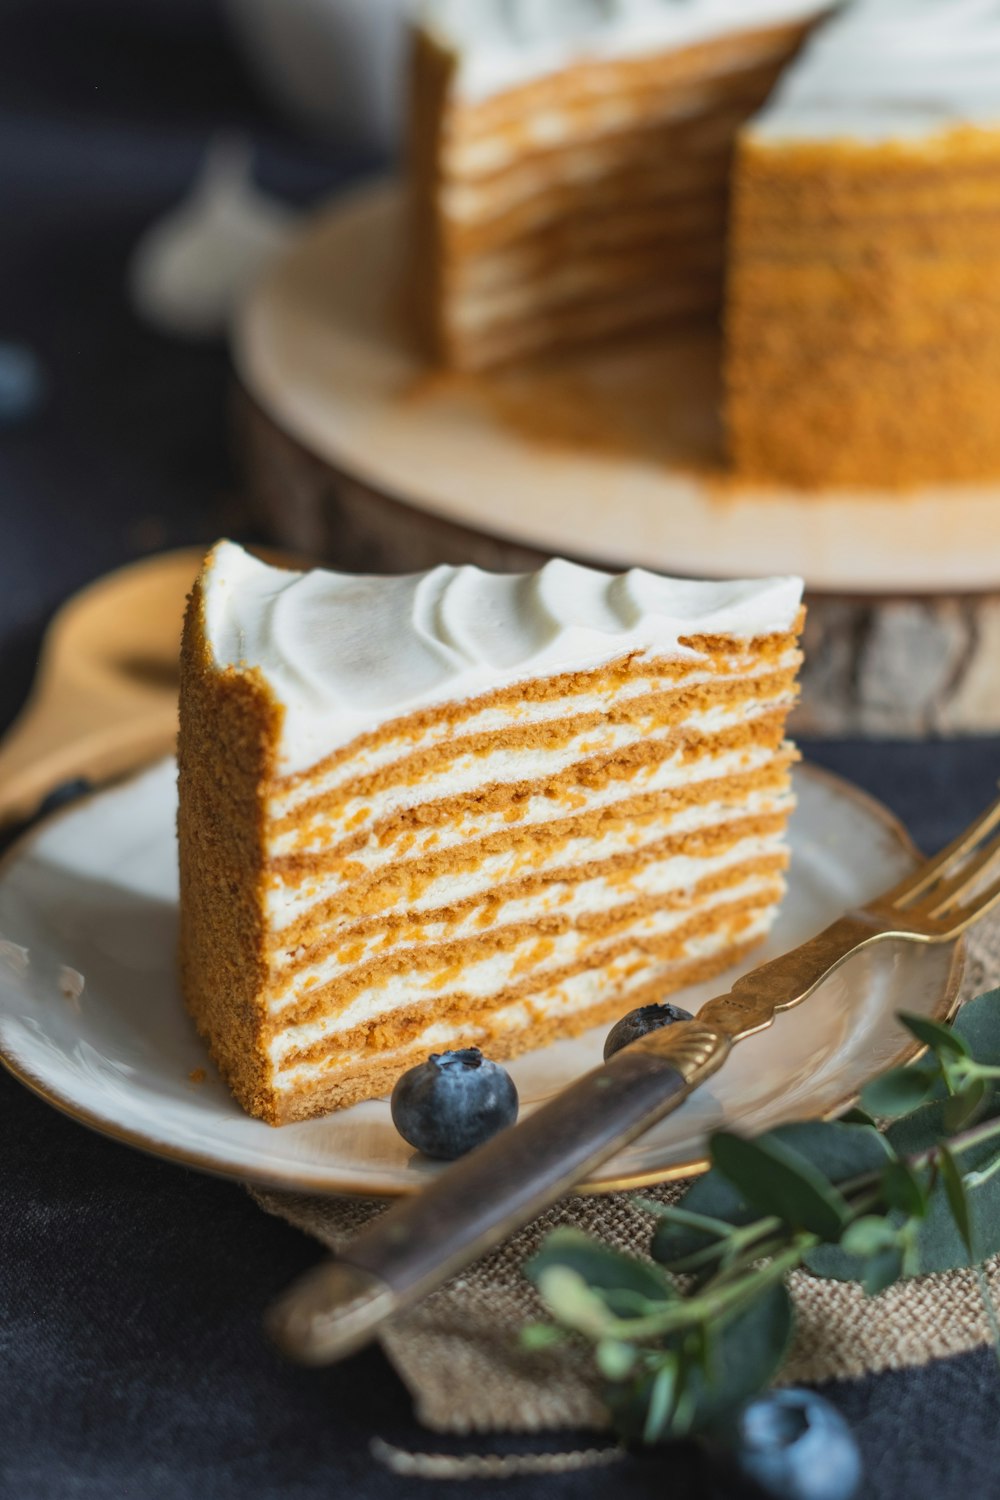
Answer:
(462, 808)
(863, 317)
(569, 163)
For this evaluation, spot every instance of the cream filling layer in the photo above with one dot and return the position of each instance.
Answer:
(572, 901)
(570, 294)
(492, 872)
(580, 140)
(631, 972)
(503, 766)
(425, 839)
(367, 759)
(533, 958)
(408, 888)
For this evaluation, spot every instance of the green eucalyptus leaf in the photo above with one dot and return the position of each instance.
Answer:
(935, 1035)
(958, 1200)
(939, 1244)
(857, 1116)
(978, 1024)
(628, 1401)
(662, 1392)
(869, 1236)
(900, 1091)
(680, 1234)
(963, 1108)
(569, 1299)
(710, 1375)
(782, 1182)
(625, 1283)
(743, 1357)
(882, 1270)
(615, 1358)
(871, 1251)
(919, 1132)
(904, 1189)
(841, 1152)
(710, 1199)
(833, 1263)
(541, 1335)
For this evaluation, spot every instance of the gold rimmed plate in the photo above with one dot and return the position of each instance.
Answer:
(91, 1017)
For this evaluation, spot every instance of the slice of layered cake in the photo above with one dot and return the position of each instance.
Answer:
(569, 163)
(863, 319)
(461, 808)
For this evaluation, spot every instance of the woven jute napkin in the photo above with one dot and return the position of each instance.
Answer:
(459, 1353)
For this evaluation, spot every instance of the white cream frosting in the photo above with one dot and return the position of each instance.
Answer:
(502, 43)
(891, 69)
(342, 653)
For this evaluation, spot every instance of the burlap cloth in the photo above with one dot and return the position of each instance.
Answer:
(459, 1355)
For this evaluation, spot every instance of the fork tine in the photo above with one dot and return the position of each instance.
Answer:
(943, 895)
(972, 911)
(914, 885)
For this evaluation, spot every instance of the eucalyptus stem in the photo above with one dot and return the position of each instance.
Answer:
(714, 1305)
(674, 1357)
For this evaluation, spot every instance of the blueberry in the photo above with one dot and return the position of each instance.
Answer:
(453, 1102)
(792, 1445)
(640, 1022)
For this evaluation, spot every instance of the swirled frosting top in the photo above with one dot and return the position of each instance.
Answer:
(344, 652)
(499, 44)
(885, 69)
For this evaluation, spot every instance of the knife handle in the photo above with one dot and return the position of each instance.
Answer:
(482, 1199)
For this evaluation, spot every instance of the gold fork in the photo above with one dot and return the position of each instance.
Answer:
(475, 1204)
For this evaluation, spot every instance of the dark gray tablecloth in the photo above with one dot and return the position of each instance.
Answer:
(131, 1357)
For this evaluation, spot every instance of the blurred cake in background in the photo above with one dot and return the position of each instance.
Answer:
(580, 169)
(863, 320)
(569, 163)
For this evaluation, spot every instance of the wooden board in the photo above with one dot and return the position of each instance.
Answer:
(359, 456)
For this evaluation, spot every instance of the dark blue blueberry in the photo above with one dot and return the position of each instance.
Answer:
(792, 1445)
(453, 1102)
(22, 383)
(640, 1022)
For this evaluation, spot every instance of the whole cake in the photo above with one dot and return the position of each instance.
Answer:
(573, 165)
(863, 324)
(461, 808)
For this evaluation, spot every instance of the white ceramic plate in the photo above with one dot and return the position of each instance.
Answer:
(319, 345)
(91, 1017)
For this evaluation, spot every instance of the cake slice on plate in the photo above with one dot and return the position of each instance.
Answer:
(462, 808)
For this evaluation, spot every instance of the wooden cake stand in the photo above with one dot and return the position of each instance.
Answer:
(362, 457)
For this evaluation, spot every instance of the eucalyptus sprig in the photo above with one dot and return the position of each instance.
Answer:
(682, 1339)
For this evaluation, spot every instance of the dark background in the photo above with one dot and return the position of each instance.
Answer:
(131, 1292)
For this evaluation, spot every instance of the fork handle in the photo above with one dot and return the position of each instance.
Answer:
(475, 1204)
